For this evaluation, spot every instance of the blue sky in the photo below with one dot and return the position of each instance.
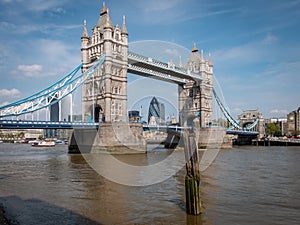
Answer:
(254, 45)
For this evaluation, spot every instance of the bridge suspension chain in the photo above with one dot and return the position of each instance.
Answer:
(51, 95)
(226, 113)
(235, 123)
(45, 91)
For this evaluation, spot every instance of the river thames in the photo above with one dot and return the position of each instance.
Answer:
(244, 185)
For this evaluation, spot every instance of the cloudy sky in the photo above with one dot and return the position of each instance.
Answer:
(254, 45)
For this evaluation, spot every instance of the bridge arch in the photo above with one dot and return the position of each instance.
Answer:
(192, 121)
(97, 113)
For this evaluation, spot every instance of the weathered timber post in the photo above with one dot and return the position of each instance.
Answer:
(192, 178)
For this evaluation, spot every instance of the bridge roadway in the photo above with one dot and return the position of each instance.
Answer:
(28, 124)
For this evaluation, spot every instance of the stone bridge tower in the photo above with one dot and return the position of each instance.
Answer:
(104, 96)
(195, 97)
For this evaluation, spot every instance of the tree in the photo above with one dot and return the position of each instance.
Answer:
(21, 135)
(273, 129)
(294, 132)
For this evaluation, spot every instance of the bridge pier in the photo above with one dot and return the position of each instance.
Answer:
(112, 138)
(244, 139)
(207, 137)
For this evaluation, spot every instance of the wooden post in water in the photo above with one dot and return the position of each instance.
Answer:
(192, 178)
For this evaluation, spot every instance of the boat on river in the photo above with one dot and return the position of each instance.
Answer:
(43, 144)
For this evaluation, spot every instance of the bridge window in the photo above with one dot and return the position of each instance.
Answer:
(116, 108)
(116, 90)
(117, 37)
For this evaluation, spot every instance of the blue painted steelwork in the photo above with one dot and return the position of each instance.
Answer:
(162, 128)
(72, 81)
(148, 128)
(235, 123)
(47, 90)
(242, 132)
(26, 124)
(50, 95)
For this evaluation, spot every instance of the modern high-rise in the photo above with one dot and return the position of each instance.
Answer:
(156, 110)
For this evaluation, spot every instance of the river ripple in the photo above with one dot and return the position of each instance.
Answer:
(245, 185)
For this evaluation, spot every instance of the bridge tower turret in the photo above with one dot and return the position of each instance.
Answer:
(104, 96)
(84, 47)
(195, 97)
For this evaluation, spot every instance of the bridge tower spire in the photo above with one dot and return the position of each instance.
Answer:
(84, 46)
(104, 96)
(195, 97)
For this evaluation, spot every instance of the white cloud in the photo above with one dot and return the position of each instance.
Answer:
(12, 92)
(34, 5)
(26, 29)
(158, 5)
(249, 52)
(30, 70)
(4, 103)
(279, 111)
(270, 39)
(58, 58)
(172, 52)
(56, 52)
(41, 5)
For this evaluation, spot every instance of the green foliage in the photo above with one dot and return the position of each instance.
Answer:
(294, 132)
(273, 129)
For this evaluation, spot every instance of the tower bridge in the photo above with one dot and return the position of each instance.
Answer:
(106, 61)
(105, 93)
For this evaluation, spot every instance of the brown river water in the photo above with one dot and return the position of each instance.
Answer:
(244, 185)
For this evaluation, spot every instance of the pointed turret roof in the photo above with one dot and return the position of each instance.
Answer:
(124, 29)
(195, 57)
(209, 59)
(195, 49)
(103, 10)
(85, 33)
(180, 62)
(104, 19)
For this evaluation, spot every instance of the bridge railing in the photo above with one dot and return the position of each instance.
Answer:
(27, 124)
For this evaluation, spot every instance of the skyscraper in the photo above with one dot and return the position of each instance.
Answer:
(156, 110)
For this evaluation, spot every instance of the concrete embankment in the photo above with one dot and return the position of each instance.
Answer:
(277, 142)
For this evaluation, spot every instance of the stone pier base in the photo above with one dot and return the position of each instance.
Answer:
(207, 138)
(112, 138)
(214, 137)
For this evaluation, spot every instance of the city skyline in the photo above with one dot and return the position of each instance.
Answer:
(253, 49)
